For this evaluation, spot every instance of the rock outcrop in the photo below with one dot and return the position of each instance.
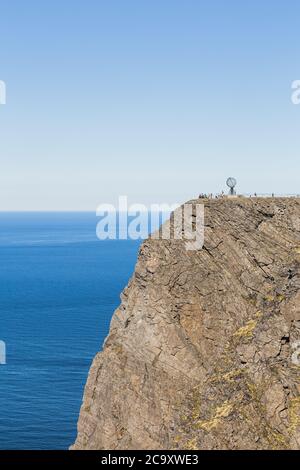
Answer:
(203, 352)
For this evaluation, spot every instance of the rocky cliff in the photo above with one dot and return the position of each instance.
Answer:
(202, 352)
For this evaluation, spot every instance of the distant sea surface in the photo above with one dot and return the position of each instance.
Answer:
(59, 287)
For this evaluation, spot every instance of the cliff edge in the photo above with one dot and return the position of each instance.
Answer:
(203, 352)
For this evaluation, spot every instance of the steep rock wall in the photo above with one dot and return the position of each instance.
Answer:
(200, 351)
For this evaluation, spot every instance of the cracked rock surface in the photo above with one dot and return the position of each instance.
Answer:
(203, 352)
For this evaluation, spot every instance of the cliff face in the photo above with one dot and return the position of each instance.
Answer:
(202, 352)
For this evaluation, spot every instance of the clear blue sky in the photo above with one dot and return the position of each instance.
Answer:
(157, 100)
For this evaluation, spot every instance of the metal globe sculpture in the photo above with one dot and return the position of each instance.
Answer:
(231, 183)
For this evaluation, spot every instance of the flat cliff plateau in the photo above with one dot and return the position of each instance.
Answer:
(203, 352)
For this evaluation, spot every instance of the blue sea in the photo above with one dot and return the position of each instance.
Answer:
(59, 286)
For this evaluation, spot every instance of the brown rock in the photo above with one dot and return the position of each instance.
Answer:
(199, 351)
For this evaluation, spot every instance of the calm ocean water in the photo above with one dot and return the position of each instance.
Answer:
(59, 287)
